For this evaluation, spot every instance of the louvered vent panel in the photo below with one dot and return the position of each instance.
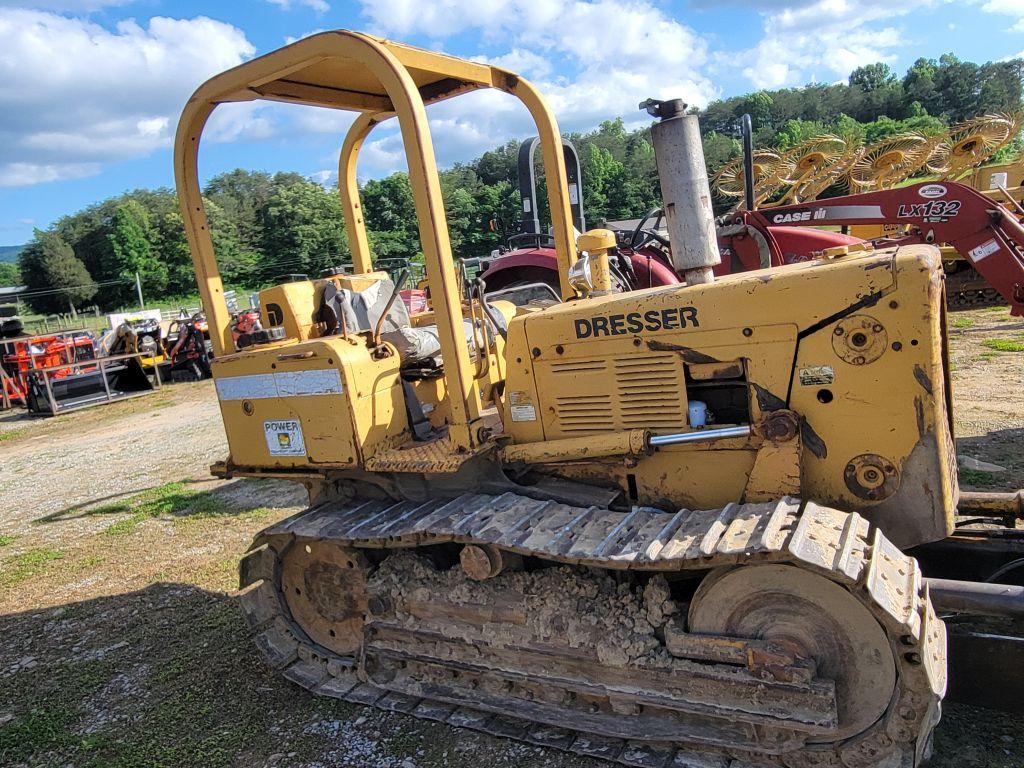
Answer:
(630, 392)
(583, 403)
(650, 390)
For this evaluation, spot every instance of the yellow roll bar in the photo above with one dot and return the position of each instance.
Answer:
(379, 79)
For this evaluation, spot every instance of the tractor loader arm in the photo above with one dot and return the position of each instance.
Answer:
(983, 231)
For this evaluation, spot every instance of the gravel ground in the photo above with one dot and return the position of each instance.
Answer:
(120, 643)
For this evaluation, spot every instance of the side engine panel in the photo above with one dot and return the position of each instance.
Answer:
(853, 345)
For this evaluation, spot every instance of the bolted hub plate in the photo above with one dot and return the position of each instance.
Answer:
(324, 586)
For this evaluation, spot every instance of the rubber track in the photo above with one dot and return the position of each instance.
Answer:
(829, 542)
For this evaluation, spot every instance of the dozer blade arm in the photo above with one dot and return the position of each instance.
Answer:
(984, 232)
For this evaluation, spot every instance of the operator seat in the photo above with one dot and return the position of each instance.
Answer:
(359, 311)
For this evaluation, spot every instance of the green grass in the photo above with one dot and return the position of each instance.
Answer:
(962, 322)
(170, 500)
(202, 701)
(174, 501)
(976, 477)
(52, 721)
(11, 434)
(18, 568)
(1004, 345)
(89, 562)
(6, 541)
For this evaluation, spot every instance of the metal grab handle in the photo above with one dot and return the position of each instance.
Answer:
(479, 339)
(489, 311)
(297, 355)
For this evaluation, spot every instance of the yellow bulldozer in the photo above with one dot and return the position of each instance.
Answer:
(664, 527)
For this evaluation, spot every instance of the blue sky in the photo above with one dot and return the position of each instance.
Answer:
(90, 90)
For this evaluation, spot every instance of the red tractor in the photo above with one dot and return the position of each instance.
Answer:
(644, 254)
(986, 234)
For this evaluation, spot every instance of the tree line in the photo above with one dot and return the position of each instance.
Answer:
(266, 225)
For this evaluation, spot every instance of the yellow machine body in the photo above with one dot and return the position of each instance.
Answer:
(854, 346)
(319, 402)
(874, 432)
(858, 354)
(645, 466)
(291, 306)
(312, 402)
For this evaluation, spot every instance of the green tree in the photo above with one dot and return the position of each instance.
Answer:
(9, 274)
(87, 231)
(133, 253)
(56, 280)
(470, 205)
(238, 262)
(718, 150)
(919, 84)
(303, 229)
(797, 131)
(958, 86)
(391, 216)
(601, 174)
(641, 166)
(1000, 89)
(498, 164)
(871, 77)
(759, 106)
(243, 196)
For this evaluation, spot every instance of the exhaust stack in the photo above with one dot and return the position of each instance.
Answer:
(684, 190)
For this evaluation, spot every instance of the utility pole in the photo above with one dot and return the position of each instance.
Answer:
(138, 290)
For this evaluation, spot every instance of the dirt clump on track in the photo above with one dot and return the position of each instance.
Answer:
(580, 608)
(121, 645)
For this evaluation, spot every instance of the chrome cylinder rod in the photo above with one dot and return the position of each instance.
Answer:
(701, 435)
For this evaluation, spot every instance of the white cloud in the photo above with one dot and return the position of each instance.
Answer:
(29, 174)
(381, 156)
(244, 121)
(832, 35)
(315, 5)
(439, 19)
(289, 39)
(1012, 8)
(522, 62)
(325, 178)
(592, 60)
(77, 95)
(611, 53)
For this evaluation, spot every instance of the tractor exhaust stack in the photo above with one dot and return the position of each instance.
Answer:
(685, 190)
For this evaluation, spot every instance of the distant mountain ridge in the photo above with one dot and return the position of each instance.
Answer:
(10, 252)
